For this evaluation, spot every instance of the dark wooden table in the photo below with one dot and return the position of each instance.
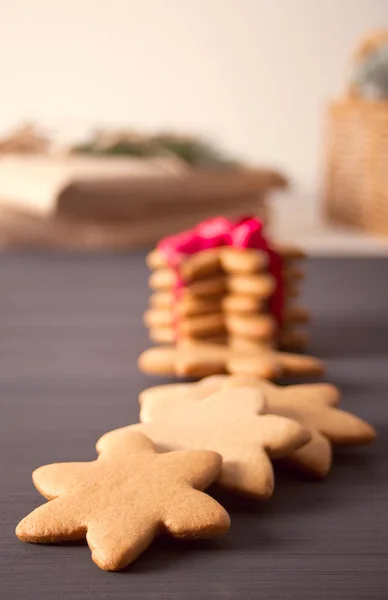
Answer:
(70, 332)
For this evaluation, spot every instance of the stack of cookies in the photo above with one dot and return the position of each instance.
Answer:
(187, 300)
(224, 295)
(224, 284)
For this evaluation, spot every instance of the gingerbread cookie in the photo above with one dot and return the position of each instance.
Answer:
(260, 327)
(188, 305)
(166, 280)
(247, 261)
(260, 285)
(232, 424)
(251, 327)
(201, 325)
(243, 304)
(313, 405)
(195, 326)
(167, 335)
(288, 339)
(124, 499)
(162, 335)
(191, 267)
(195, 359)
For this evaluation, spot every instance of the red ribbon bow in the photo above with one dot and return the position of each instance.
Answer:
(213, 233)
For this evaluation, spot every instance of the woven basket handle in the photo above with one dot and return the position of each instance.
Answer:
(368, 45)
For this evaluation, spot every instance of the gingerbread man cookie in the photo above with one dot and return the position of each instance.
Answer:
(124, 499)
(312, 405)
(231, 423)
(193, 359)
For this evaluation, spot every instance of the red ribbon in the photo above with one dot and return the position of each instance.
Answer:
(213, 233)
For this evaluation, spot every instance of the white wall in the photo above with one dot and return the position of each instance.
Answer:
(254, 74)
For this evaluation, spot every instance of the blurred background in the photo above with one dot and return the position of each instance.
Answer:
(239, 89)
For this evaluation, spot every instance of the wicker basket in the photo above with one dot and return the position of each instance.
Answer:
(356, 186)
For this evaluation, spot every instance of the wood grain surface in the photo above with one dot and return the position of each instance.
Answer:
(70, 332)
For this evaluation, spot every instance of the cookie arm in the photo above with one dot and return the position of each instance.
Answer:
(344, 428)
(249, 471)
(297, 364)
(196, 363)
(313, 393)
(114, 548)
(315, 457)
(158, 360)
(196, 515)
(55, 521)
(280, 435)
(56, 479)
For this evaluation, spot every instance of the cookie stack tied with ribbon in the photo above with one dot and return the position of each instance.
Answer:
(224, 292)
